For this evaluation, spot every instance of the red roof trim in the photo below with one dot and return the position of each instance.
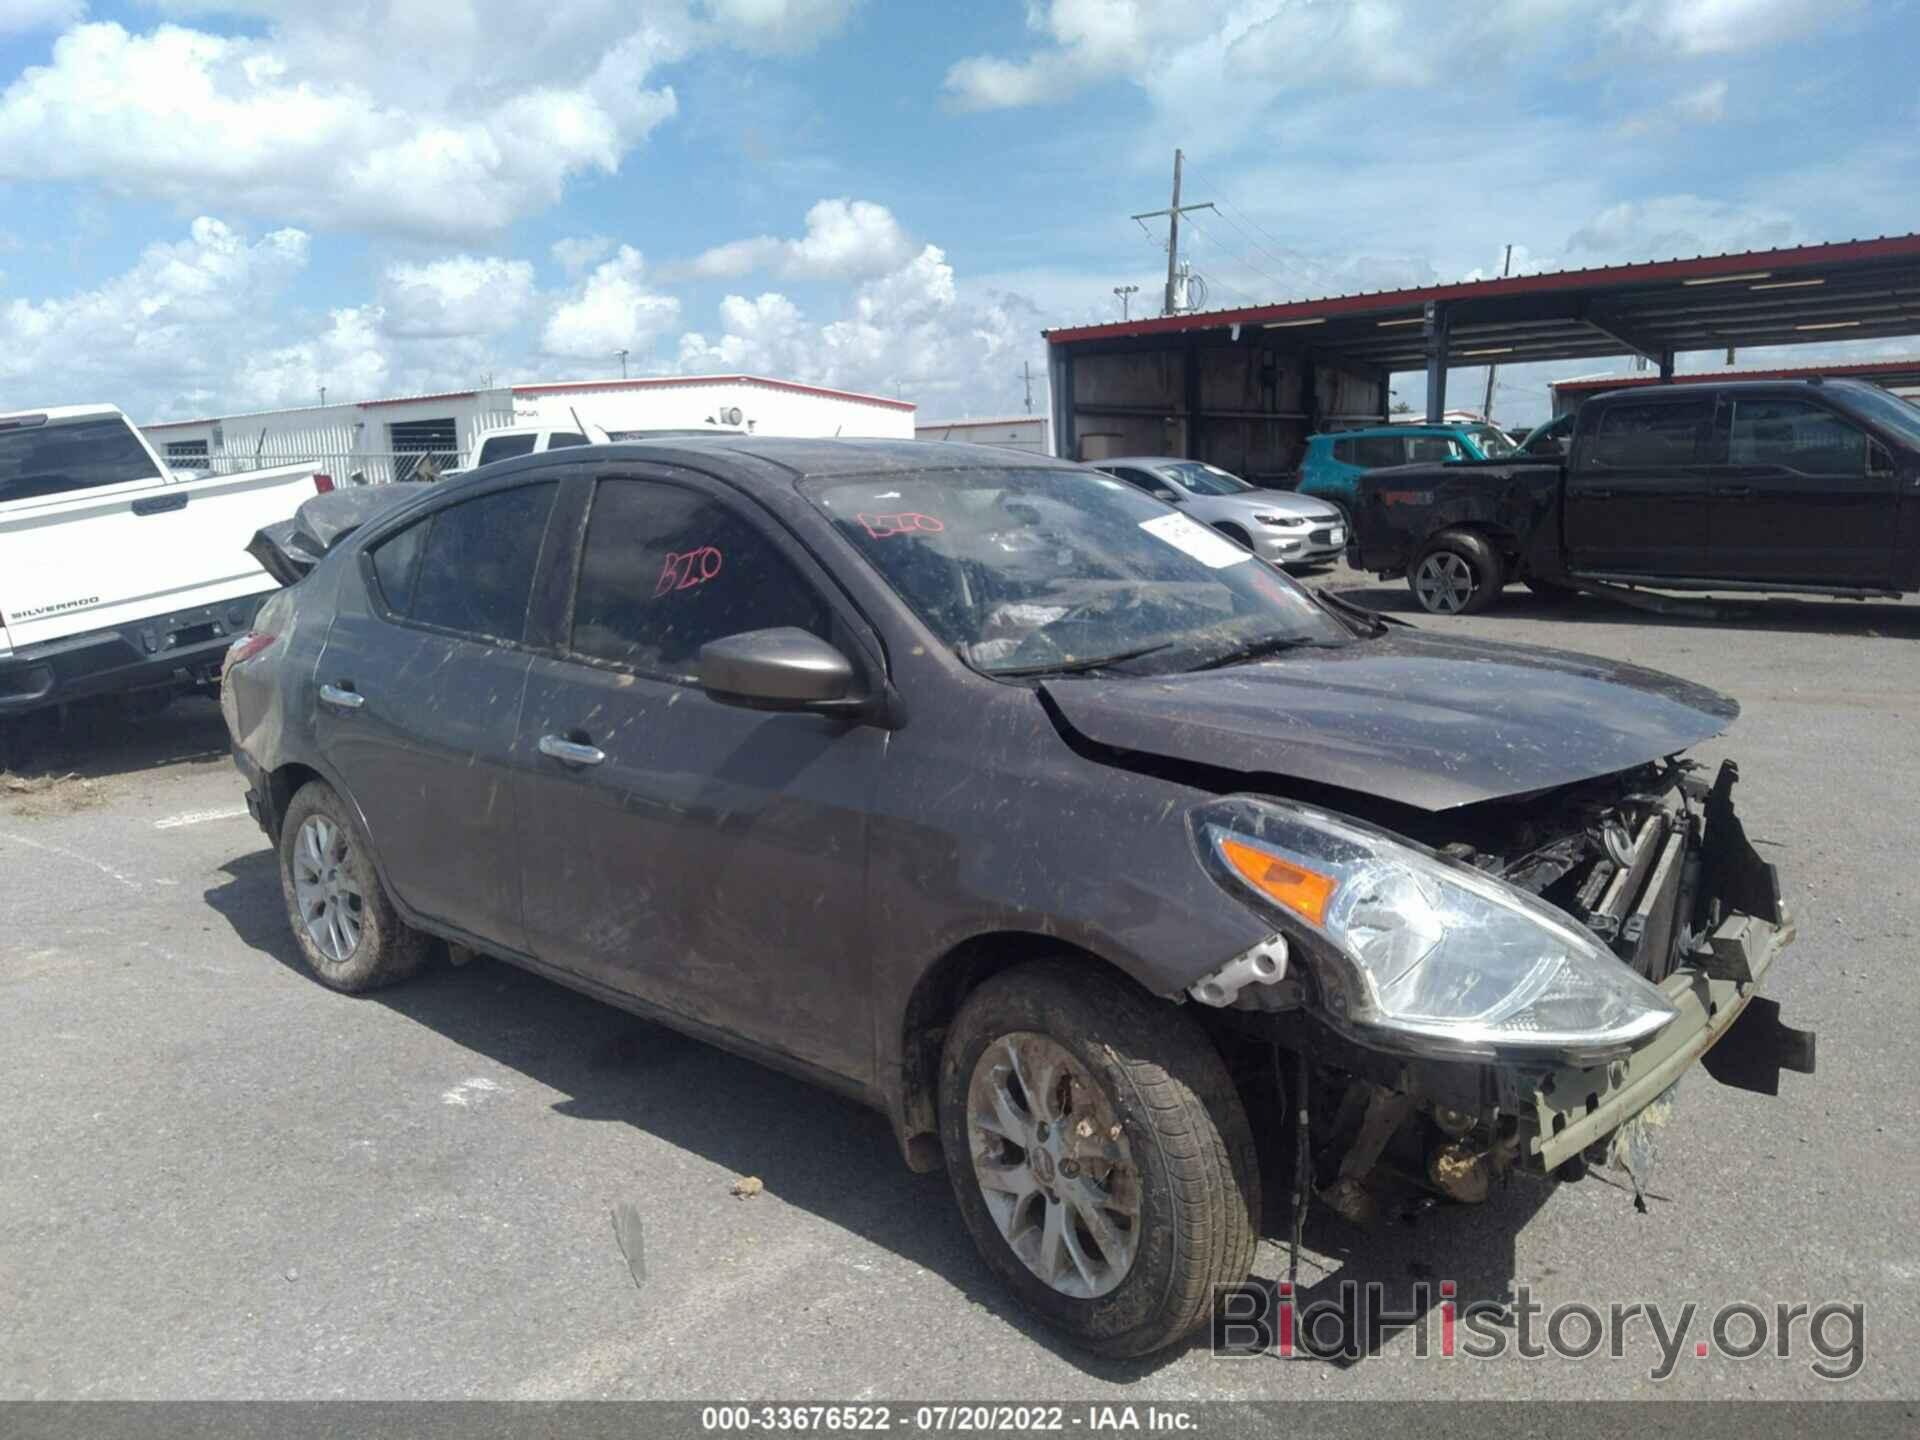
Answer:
(562, 386)
(1857, 369)
(1890, 247)
(417, 399)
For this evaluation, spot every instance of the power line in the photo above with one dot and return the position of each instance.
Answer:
(1281, 257)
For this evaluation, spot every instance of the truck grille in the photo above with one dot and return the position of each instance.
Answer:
(1321, 537)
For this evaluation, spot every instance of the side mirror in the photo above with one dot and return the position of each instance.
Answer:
(784, 669)
(1170, 496)
(1879, 462)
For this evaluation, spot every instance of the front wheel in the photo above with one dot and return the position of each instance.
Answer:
(1099, 1153)
(1459, 573)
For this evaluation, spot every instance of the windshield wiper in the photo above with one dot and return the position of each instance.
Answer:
(1075, 667)
(1376, 623)
(1270, 645)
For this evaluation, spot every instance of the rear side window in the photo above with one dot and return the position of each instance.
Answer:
(1672, 433)
(68, 455)
(1796, 436)
(1371, 452)
(1430, 449)
(665, 570)
(468, 567)
(505, 447)
(560, 439)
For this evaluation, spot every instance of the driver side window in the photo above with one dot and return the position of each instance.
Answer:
(665, 570)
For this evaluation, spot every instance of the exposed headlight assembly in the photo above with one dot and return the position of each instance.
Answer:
(1417, 952)
(1285, 521)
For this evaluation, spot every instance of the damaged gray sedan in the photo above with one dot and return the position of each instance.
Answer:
(1004, 798)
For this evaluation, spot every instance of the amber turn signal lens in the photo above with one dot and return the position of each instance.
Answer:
(1304, 892)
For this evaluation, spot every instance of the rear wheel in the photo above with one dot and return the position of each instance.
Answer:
(1458, 573)
(346, 927)
(1099, 1153)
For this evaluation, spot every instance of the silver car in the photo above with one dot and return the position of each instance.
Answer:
(1277, 525)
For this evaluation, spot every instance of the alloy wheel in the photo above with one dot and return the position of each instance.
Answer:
(1057, 1174)
(1444, 582)
(324, 888)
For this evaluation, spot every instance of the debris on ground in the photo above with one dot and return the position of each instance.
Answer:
(40, 796)
(747, 1186)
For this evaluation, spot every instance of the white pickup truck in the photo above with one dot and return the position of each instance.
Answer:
(117, 574)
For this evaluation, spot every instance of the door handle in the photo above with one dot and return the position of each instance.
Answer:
(160, 504)
(570, 752)
(1593, 495)
(1734, 492)
(341, 697)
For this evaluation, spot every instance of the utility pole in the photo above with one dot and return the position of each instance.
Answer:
(1026, 374)
(1123, 291)
(1486, 410)
(623, 363)
(1173, 213)
(323, 394)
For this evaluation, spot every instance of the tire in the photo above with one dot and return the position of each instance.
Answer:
(1143, 1074)
(1236, 534)
(1459, 573)
(345, 925)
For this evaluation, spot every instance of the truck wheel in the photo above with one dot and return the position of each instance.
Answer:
(1458, 573)
(345, 925)
(1100, 1155)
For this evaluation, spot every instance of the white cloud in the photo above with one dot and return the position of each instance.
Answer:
(1187, 53)
(20, 17)
(575, 253)
(1665, 227)
(1713, 27)
(779, 24)
(844, 239)
(911, 330)
(347, 356)
(613, 310)
(457, 296)
(445, 119)
(156, 335)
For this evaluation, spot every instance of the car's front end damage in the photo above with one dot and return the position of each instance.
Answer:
(1447, 1079)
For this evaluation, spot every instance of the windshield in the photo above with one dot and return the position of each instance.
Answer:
(1023, 571)
(1887, 410)
(1200, 479)
(1493, 443)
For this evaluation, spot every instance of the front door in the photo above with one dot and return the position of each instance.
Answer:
(704, 857)
(1799, 498)
(418, 712)
(1638, 489)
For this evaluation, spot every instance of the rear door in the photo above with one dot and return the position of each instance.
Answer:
(1638, 491)
(704, 857)
(1798, 499)
(418, 707)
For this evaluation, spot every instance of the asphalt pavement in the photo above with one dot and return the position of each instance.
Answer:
(220, 1180)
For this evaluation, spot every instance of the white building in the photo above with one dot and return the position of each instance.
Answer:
(382, 440)
(1017, 432)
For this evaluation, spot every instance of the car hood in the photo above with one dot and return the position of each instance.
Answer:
(1267, 502)
(1425, 721)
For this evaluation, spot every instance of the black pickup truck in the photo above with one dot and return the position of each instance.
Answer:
(1810, 486)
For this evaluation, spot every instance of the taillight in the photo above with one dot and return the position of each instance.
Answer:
(244, 649)
(322, 483)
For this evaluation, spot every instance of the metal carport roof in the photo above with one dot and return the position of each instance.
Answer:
(1846, 290)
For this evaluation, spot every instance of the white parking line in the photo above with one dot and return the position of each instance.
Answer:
(199, 817)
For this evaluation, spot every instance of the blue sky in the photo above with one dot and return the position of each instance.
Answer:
(217, 206)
